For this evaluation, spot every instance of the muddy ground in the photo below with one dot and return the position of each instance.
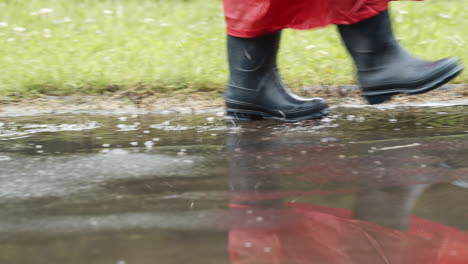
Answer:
(199, 103)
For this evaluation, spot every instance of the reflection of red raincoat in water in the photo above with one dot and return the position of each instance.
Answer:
(251, 18)
(321, 235)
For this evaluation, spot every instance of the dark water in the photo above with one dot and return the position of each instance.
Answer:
(362, 186)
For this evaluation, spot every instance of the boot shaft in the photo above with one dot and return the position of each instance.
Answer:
(250, 59)
(371, 42)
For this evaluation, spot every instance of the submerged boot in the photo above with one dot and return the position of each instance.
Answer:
(255, 89)
(384, 68)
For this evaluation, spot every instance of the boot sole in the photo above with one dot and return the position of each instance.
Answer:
(381, 97)
(250, 115)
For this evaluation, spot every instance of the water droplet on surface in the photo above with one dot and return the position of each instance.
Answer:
(5, 158)
(149, 144)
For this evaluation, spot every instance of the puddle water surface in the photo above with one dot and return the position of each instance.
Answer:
(361, 186)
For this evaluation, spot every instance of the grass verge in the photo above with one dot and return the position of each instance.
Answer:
(142, 47)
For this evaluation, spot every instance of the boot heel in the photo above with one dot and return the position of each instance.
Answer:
(377, 99)
(243, 116)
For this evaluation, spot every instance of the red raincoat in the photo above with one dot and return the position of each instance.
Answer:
(321, 235)
(252, 18)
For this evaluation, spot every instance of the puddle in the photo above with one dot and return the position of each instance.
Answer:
(364, 185)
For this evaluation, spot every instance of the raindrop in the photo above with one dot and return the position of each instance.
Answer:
(149, 144)
(5, 158)
(89, 20)
(19, 29)
(43, 11)
(445, 16)
(323, 52)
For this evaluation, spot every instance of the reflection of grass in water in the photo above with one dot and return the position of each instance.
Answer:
(145, 46)
(99, 131)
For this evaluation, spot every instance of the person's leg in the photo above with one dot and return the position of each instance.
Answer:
(255, 89)
(384, 68)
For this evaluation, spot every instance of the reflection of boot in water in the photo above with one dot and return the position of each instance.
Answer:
(390, 207)
(244, 151)
(265, 230)
(384, 68)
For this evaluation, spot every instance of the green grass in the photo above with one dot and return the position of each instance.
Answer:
(179, 45)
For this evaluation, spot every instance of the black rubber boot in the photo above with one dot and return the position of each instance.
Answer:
(384, 68)
(255, 89)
